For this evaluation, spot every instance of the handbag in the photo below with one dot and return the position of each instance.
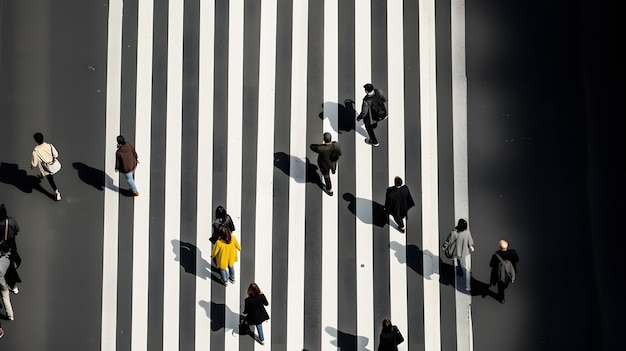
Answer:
(50, 167)
(244, 327)
(397, 336)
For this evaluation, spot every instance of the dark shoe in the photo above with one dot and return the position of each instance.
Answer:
(369, 141)
(401, 230)
(502, 301)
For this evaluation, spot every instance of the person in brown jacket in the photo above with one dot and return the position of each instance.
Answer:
(328, 155)
(126, 161)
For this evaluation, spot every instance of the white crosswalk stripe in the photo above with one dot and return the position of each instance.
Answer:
(242, 51)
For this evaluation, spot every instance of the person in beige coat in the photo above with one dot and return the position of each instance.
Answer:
(5, 261)
(44, 155)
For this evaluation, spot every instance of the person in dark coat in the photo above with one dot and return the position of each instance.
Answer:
(390, 337)
(126, 161)
(328, 155)
(373, 111)
(398, 202)
(506, 254)
(8, 230)
(254, 310)
(221, 219)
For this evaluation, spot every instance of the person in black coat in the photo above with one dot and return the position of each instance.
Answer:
(8, 230)
(390, 337)
(398, 201)
(373, 111)
(221, 219)
(328, 155)
(254, 309)
(506, 254)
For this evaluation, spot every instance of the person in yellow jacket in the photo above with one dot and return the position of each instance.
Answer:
(225, 255)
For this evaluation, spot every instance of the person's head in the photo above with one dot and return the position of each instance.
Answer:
(327, 137)
(220, 212)
(253, 290)
(3, 212)
(504, 245)
(397, 181)
(461, 226)
(38, 138)
(368, 87)
(225, 234)
(387, 324)
(121, 140)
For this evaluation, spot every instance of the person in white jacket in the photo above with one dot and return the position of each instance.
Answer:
(5, 251)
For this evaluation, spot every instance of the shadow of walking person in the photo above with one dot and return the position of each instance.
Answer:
(188, 258)
(284, 161)
(11, 174)
(345, 115)
(346, 341)
(377, 217)
(93, 176)
(218, 313)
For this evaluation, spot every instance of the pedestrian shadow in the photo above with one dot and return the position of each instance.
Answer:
(377, 217)
(217, 313)
(188, 254)
(283, 162)
(94, 177)
(19, 178)
(346, 342)
(344, 114)
(412, 257)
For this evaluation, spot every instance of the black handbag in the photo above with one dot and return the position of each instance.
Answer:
(244, 327)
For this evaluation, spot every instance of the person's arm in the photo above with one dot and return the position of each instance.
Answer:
(265, 302)
(34, 160)
(55, 153)
(315, 148)
(337, 148)
(365, 109)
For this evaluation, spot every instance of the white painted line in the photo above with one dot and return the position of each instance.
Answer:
(330, 203)
(397, 247)
(265, 159)
(141, 221)
(173, 142)
(363, 197)
(234, 162)
(204, 194)
(430, 196)
(459, 133)
(111, 197)
(297, 182)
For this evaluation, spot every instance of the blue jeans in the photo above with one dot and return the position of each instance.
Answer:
(226, 274)
(259, 329)
(131, 181)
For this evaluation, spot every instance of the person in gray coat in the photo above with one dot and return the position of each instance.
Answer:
(5, 261)
(464, 247)
(328, 155)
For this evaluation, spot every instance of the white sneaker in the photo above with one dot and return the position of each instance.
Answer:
(58, 196)
(16, 290)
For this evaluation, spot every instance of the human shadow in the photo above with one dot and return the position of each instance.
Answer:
(344, 114)
(11, 174)
(188, 258)
(377, 217)
(218, 313)
(345, 341)
(94, 177)
(283, 162)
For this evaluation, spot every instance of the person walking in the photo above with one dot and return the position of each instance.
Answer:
(8, 230)
(221, 219)
(390, 337)
(373, 110)
(398, 202)
(254, 309)
(126, 161)
(464, 247)
(5, 262)
(225, 255)
(328, 154)
(505, 254)
(44, 156)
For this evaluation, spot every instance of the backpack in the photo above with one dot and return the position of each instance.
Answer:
(377, 105)
(505, 270)
(449, 246)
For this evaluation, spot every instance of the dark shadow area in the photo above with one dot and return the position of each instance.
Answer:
(218, 314)
(344, 341)
(93, 176)
(282, 161)
(187, 257)
(414, 259)
(378, 216)
(11, 174)
(345, 115)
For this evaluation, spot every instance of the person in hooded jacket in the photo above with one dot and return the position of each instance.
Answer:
(254, 309)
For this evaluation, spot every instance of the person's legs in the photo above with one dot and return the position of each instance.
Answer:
(467, 269)
(224, 275)
(6, 301)
(231, 273)
(259, 329)
(329, 185)
(54, 187)
(370, 132)
(501, 287)
(131, 181)
(400, 222)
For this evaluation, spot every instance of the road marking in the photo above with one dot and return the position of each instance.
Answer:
(111, 197)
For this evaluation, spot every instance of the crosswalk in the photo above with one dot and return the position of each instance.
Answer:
(225, 107)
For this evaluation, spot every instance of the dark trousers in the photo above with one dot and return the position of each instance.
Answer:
(370, 131)
(326, 175)
(398, 220)
(51, 181)
(501, 287)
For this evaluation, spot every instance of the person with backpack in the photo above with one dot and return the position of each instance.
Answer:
(328, 154)
(373, 111)
(463, 246)
(503, 268)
